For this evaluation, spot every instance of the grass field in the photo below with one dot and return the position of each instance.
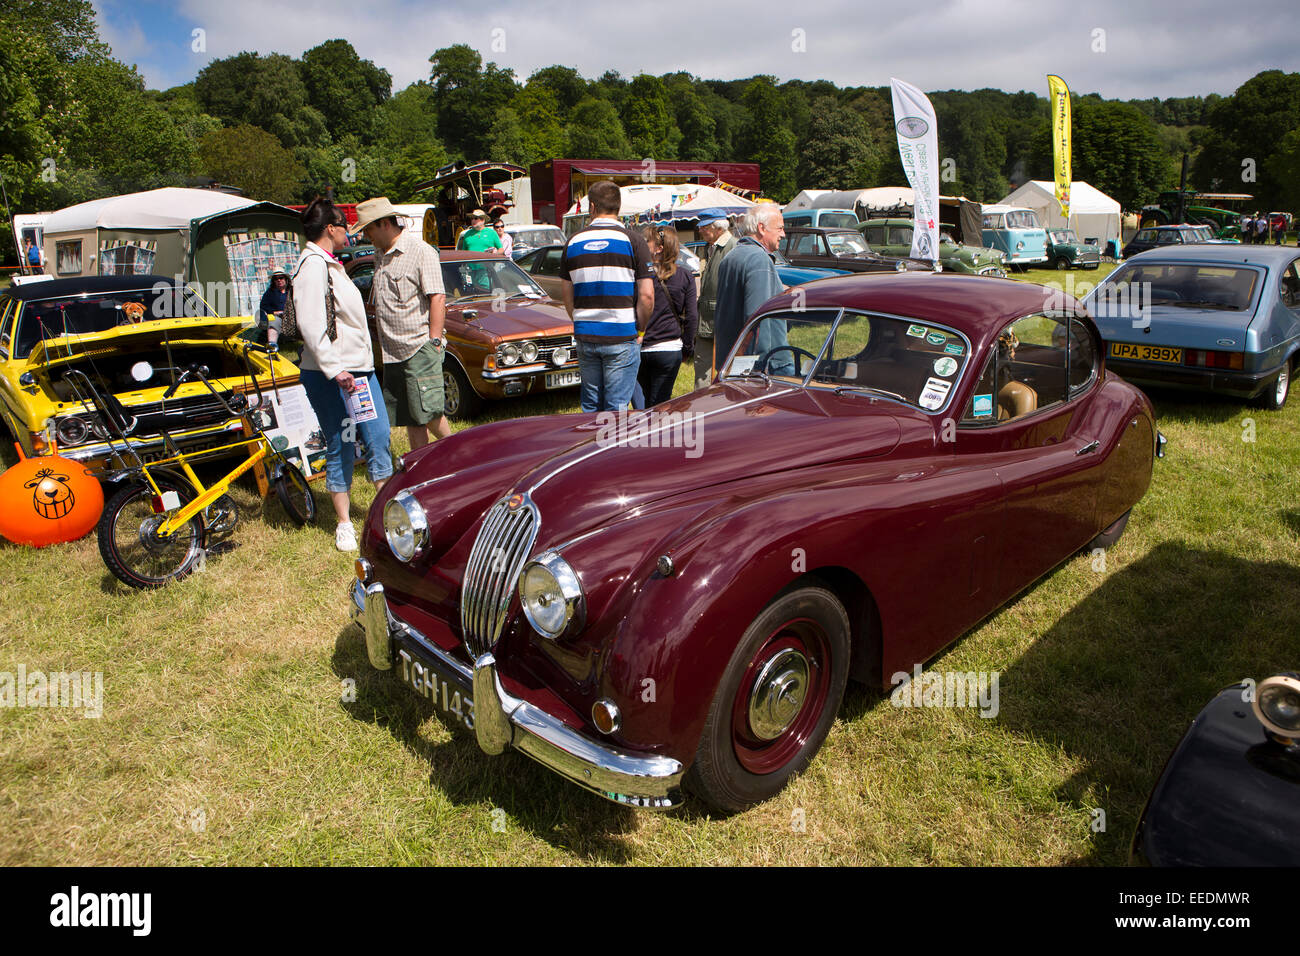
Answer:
(242, 725)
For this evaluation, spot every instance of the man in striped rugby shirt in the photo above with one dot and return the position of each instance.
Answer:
(609, 294)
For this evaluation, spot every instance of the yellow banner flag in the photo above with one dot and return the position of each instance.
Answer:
(1060, 100)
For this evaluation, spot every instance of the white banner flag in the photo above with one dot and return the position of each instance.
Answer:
(918, 147)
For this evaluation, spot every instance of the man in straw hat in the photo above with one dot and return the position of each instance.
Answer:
(410, 310)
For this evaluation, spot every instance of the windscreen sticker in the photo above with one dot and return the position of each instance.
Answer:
(954, 348)
(934, 394)
(916, 331)
(945, 366)
(936, 338)
(983, 406)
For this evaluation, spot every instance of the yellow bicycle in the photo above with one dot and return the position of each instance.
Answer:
(158, 525)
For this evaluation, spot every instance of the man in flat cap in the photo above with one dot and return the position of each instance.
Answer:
(478, 238)
(410, 311)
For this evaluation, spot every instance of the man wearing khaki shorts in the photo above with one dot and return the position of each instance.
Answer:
(410, 310)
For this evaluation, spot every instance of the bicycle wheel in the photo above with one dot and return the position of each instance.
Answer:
(130, 545)
(295, 493)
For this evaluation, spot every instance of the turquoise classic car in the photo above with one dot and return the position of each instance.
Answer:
(893, 237)
(1066, 251)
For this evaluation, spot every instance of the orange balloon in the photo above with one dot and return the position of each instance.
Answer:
(48, 500)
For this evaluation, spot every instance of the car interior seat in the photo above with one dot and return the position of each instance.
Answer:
(1016, 399)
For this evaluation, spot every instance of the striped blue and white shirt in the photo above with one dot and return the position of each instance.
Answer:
(604, 261)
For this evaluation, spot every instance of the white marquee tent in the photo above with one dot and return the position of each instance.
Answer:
(1093, 214)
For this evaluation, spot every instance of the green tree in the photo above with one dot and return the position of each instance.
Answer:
(506, 139)
(253, 160)
(543, 133)
(263, 91)
(767, 139)
(344, 88)
(408, 118)
(694, 120)
(564, 82)
(469, 96)
(354, 171)
(648, 119)
(838, 152)
(412, 165)
(595, 131)
(1243, 131)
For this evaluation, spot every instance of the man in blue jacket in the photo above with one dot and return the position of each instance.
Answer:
(747, 278)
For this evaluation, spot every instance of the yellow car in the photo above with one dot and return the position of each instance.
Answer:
(104, 326)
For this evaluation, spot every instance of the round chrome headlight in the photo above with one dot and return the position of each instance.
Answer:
(900, 266)
(1020, 244)
(406, 526)
(528, 352)
(560, 356)
(551, 596)
(1277, 705)
(71, 430)
(508, 354)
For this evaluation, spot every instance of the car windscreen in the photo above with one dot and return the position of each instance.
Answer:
(916, 363)
(1182, 285)
(1022, 219)
(486, 278)
(838, 220)
(1064, 235)
(847, 243)
(80, 315)
(536, 238)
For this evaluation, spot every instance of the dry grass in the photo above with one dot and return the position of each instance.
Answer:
(227, 736)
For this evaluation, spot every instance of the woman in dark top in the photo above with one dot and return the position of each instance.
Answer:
(272, 307)
(670, 333)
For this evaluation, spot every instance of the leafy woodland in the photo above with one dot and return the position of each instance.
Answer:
(76, 124)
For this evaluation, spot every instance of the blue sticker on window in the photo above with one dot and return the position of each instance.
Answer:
(983, 406)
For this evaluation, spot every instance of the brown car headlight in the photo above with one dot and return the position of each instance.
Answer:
(406, 526)
(508, 354)
(528, 352)
(551, 596)
(1277, 705)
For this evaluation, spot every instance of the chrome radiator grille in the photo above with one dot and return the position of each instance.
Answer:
(503, 545)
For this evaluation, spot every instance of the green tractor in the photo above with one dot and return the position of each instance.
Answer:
(1177, 206)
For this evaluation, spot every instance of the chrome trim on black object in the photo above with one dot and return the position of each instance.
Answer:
(503, 544)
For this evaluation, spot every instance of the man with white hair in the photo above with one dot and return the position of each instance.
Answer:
(747, 277)
(716, 231)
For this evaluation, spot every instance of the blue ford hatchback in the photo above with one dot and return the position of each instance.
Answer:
(1217, 318)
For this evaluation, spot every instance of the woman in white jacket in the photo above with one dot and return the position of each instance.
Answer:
(335, 368)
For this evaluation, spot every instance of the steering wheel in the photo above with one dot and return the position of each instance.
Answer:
(795, 351)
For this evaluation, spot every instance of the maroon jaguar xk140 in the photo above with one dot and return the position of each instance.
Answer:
(674, 600)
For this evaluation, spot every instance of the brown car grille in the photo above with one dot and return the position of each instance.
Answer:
(503, 545)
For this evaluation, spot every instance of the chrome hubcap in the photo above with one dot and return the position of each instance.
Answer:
(778, 694)
(1283, 382)
(451, 394)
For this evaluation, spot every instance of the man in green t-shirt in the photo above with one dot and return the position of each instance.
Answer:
(477, 238)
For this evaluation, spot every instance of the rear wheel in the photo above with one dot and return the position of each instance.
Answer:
(294, 493)
(776, 701)
(1275, 395)
(131, 546)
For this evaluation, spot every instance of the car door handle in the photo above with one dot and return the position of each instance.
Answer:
(1088, 449)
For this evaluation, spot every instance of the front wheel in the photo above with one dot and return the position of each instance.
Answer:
(1062, 264)
(1275, 395)
(131, 546)
(294, 493)
(460, 399)
(776, 701)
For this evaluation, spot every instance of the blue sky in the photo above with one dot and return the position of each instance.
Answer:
(1119, 48)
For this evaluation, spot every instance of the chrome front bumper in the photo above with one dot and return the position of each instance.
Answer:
(501, 720)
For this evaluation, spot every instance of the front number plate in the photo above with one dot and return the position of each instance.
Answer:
(1146, 353)
(447, 697)
(563, 379)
